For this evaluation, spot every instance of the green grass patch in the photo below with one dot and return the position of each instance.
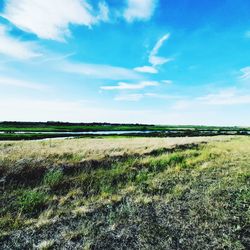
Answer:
(53, 178)
(31, 201)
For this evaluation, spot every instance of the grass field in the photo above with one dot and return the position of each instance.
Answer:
(126, 193)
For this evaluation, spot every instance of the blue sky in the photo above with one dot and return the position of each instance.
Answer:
(145, 61)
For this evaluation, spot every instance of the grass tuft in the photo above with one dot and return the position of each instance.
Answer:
(32, 201)
(45, 245)
(53, 178)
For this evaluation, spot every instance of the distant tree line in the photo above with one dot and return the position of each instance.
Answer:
(58, 123)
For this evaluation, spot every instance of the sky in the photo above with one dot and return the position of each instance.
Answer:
(127, 61)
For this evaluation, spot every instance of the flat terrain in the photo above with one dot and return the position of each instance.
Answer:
(78, 127)
(42, 130)
(126, 193)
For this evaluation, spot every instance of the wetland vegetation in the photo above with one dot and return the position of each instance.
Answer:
(43, 130)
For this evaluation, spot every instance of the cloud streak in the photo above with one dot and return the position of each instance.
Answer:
(15, 48)
(146, 69)
(7, 81)
(154, 59)
(99, 71)
(138, 96)
(225, 97)
(128, 86)
(245, 73)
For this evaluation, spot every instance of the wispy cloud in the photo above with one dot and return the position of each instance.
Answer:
(162, 96)
(128, 86)
(99, 71)
(103, 12)
(129, 97)
(51, 19)
(7, 81)
(138, 96)
(15, 48)
(146, 69)
(167, 81)
(245, 73)
(139, 10)
(225, 97)
(55, 58)
(154, 59)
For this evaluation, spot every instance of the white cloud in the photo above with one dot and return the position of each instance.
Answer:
(159, 44)
(7, 81)
(139, 10)
(51, 19)
(167, 81)
(154, 59)
(99, 71)
(146, 69)
(245, 73)
(16, 48)
(128, 86)
(157, 60)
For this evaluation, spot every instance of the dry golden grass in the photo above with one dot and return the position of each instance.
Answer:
(75, 150)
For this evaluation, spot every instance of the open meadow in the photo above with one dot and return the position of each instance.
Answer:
(124, 125)
(125, 193)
